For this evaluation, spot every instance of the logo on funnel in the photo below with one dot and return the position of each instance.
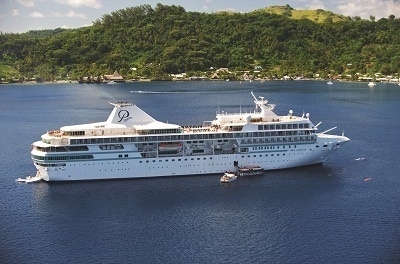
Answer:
(123, 114)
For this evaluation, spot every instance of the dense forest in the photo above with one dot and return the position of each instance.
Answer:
(156, 41)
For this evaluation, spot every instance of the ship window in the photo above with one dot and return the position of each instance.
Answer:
(260, 127)
(120, 156)
(75, 133)
(179, 159)
(111, 147)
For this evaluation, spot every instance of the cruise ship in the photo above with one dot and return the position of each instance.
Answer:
(132, 144)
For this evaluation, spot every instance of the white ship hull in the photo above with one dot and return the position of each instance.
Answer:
(137, 167)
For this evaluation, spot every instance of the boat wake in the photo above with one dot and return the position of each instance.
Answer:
(154, 92)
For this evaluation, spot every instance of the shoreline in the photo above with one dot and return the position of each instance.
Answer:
(188, 80)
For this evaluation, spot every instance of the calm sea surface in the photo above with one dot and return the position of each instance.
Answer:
(318, 214)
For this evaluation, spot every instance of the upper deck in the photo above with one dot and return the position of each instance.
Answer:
(129, 120)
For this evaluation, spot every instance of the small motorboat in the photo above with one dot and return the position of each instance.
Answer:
(30, 179)
(228, 177)
(359, 159)
(21, 180)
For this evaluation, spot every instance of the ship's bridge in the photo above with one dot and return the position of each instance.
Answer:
(266, 114)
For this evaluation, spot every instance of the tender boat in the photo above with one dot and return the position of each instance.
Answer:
(30, 179)
(371, 84)
(228, 177)
(251, 170)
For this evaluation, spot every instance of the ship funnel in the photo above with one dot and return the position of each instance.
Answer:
(129, 115)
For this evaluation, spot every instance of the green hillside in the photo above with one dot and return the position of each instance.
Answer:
(154, 42)
(313, 15)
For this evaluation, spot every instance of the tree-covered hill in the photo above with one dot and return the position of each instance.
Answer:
(318, 15)
(157, 41)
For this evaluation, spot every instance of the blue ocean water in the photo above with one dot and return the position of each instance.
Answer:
(317, 214)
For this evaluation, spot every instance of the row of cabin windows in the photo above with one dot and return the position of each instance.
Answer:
(278, 140)
(266, 155)
(78, 148)
(77, 157)
(111, 147)
(191, 137)
(147, 161)
(272, 147)
(61, 149)
(160, 131)
(73, 133)
(140, 132)
(283, 126)
(283, 133)
(51, 164)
